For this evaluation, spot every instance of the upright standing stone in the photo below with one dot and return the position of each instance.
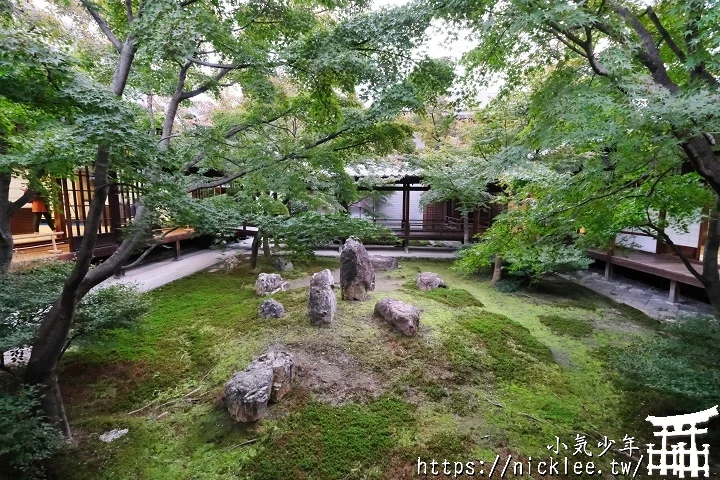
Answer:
(322, 304)
(266, 380)
(357, 275)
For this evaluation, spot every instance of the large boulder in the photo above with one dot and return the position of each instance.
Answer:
(282, 264)
(429, 281)
(322, 304)
(266, 380)
(271, 309)
(384, 264)
(269, 283)
(357, 275)
(400, 315)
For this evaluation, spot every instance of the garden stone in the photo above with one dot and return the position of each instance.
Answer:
(400, 315)
(429, 281)
(282, 265)
(269, 283)
(271, 309)
(266, 380)
(384, 264)
(357, 275)
(113, 435)
(321, 301)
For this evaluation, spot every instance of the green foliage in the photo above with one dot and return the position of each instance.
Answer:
(109, 308)
(525, 251)
(307, 231)
(26, 295)
(682, 361)
(562, 325)
(26, 437)
(321, 441)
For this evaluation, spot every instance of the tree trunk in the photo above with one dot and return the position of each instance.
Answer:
(710, 258)
(7, 209)
(266, 246)
(55, 327)
(254, 251)
(497, 270)
(466, 230)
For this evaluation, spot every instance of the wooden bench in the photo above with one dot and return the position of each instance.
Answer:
(39, 236)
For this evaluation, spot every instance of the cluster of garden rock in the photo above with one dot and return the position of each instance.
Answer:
(268, 378)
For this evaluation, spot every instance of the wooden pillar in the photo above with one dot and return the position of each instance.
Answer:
(674, 295)
(608, 262)
(406, 215)
(608, 269)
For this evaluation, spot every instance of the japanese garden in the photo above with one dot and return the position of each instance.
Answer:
(359, 239)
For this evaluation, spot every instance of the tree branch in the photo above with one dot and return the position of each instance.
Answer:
(649, 54)
(226, 66)
(128, 9)
(665, 34)
(206, 86)
(677, 251)
(102, 24)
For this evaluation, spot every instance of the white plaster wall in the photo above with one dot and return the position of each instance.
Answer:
(689, 239)
(15, 188)
(638, 242)
(391, 207)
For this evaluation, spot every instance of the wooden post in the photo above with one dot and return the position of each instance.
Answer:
(406, 215)
(674, 296)
(177, 251)
(608, 269)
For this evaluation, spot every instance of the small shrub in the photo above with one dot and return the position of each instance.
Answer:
(511, 284)
(682, 361)
(26, 437)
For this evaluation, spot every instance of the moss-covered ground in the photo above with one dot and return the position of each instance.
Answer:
(489, 374)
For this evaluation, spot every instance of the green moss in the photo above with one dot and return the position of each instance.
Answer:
(509, 350)
(455, 297)
(562, 325)
(321, 441)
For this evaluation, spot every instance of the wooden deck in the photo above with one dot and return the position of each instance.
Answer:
(664, 266)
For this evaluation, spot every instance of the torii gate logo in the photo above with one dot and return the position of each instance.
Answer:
(677, 459)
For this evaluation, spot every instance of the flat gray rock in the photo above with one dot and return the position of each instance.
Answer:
(271, 309)
(269, 283)
(429, 281)
(401, 315)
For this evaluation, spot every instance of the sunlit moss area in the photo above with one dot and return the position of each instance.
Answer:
(489, 374)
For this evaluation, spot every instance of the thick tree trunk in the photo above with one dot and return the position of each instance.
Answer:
(710, 258)
(7, 209)
(254, 251)
(497, 270)
(55, 327)
(266, 246)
